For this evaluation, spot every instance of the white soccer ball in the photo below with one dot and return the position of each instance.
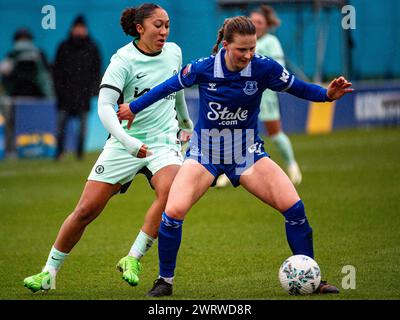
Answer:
(299, 275)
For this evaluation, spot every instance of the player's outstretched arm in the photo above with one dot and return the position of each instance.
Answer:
(182, 112)
(128, 111)
(313, 92)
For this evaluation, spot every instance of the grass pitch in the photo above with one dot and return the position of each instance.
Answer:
(232, 243)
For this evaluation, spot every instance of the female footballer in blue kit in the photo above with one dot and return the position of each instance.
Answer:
(265, 20)
(231, 84)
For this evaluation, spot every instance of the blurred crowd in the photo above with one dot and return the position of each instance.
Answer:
(72, 79)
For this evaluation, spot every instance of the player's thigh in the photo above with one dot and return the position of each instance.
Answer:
(268, 182)
(113, 168)
(164, 165)
(94, 198)
(191, 182)
(162, 180)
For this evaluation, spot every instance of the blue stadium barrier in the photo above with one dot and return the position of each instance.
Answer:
(35, 123)
(36, 127)
(2, 138)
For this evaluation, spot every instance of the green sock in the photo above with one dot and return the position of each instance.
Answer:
(54, 261)
(282, 142)
(141, 245)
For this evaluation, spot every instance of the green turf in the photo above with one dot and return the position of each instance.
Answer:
(232, 244)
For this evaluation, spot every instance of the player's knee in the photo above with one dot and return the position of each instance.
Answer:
(295, 205)
(84, 213)
(283, 206)
(273, 127)
(175, 212)
(162, 195)
(284, 200)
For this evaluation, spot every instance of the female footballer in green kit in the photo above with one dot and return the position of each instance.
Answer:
(150, 147)
(268, 45)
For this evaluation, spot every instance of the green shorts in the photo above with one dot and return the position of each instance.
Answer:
(269, 107)
(118, 166)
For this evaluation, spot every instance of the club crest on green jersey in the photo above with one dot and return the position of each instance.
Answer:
(99, 169)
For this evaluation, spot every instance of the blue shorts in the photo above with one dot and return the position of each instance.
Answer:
(232, 169)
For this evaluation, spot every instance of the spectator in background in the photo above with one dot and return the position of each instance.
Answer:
(265, 20)
(77, 79)
(24, 73)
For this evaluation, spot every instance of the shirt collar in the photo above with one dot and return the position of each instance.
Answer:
(143, 52)
(219, 72)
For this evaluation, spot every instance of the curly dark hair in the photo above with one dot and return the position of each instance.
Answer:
(132, 16)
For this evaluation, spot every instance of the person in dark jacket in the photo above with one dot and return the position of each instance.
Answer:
(77, 78)
(27, 74)
(24, 72)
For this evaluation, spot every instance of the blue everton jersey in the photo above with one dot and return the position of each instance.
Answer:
(232, 99)
(229, 104)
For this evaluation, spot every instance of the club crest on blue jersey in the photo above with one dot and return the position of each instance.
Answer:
(250, 88)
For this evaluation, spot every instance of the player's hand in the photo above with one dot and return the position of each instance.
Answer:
(338, 88)
(125, 113)
(144, 152)
(185, 136)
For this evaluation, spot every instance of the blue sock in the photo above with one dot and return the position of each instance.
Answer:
(169, 239)
(298, 231)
